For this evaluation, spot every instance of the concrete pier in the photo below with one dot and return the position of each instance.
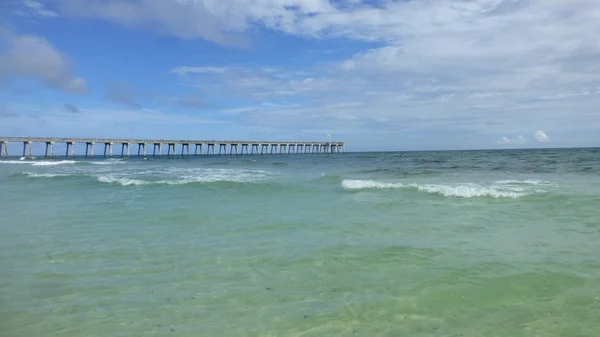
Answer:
(235, 147)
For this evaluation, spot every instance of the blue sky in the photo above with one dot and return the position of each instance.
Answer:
(377, 74)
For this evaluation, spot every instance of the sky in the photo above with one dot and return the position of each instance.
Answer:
(376, 74)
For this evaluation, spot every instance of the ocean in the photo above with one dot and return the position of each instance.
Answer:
(472, 243)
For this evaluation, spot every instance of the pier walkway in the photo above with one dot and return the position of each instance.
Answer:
(210, 146)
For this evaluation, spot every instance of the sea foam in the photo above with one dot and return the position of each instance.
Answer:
(59, 162)
(45, 175)
(190, 176)
(53, 163)
(449, 190)
(122, 181)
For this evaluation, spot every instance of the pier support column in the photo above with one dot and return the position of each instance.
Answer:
(27, 149)
(222, 147)
(50, 147)
(244, 146)
(3, 149)
(157, 146)
(123, 146)
(108, 146)
(183, 147)
(89, 146)
(252, 148)
(174, 145)
(263, 147)
(196, 149)
(213, 149)
(71, 147)
(231, 149)
(140, 147)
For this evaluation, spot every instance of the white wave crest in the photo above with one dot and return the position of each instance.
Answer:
(60, 162)
(368, 184)
(44, 175)
(524, 182)
(54, 163)
(190, 176)
(107, 162)
(468, 191)
(449, 190)
(122, 181)
(14, 162)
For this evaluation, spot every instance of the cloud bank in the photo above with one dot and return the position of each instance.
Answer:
(34, 57)
(459, 71)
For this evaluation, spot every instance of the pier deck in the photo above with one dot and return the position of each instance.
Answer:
(236, 147)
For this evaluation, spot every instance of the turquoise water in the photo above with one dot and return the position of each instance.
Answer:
(482, 243)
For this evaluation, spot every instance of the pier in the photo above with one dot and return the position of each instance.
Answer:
(173, 146)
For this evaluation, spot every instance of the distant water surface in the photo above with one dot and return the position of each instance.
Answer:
(478, 243)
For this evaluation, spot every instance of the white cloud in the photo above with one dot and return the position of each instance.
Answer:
(38, 9)
(482, 68)
(33, 56)
(541, 137)
(197, 70)
(517, 140)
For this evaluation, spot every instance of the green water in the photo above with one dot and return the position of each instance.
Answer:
(484, 243)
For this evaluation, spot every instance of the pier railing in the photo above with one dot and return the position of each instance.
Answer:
(237, 147)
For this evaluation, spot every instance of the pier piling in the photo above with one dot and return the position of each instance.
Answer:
(27, 149)
(88, 146)
(169, 148)
(70, 149)
(185, 146)
(49, 148)
(3, 149)
(108, 146)
(142, 148)
(123, 146)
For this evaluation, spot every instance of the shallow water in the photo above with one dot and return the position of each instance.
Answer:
(482, 243)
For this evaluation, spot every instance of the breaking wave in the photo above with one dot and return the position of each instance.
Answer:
(45, 175)
(183, 176)
(122, 181)
(53, 163)
(60, 162)
(502, 189)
